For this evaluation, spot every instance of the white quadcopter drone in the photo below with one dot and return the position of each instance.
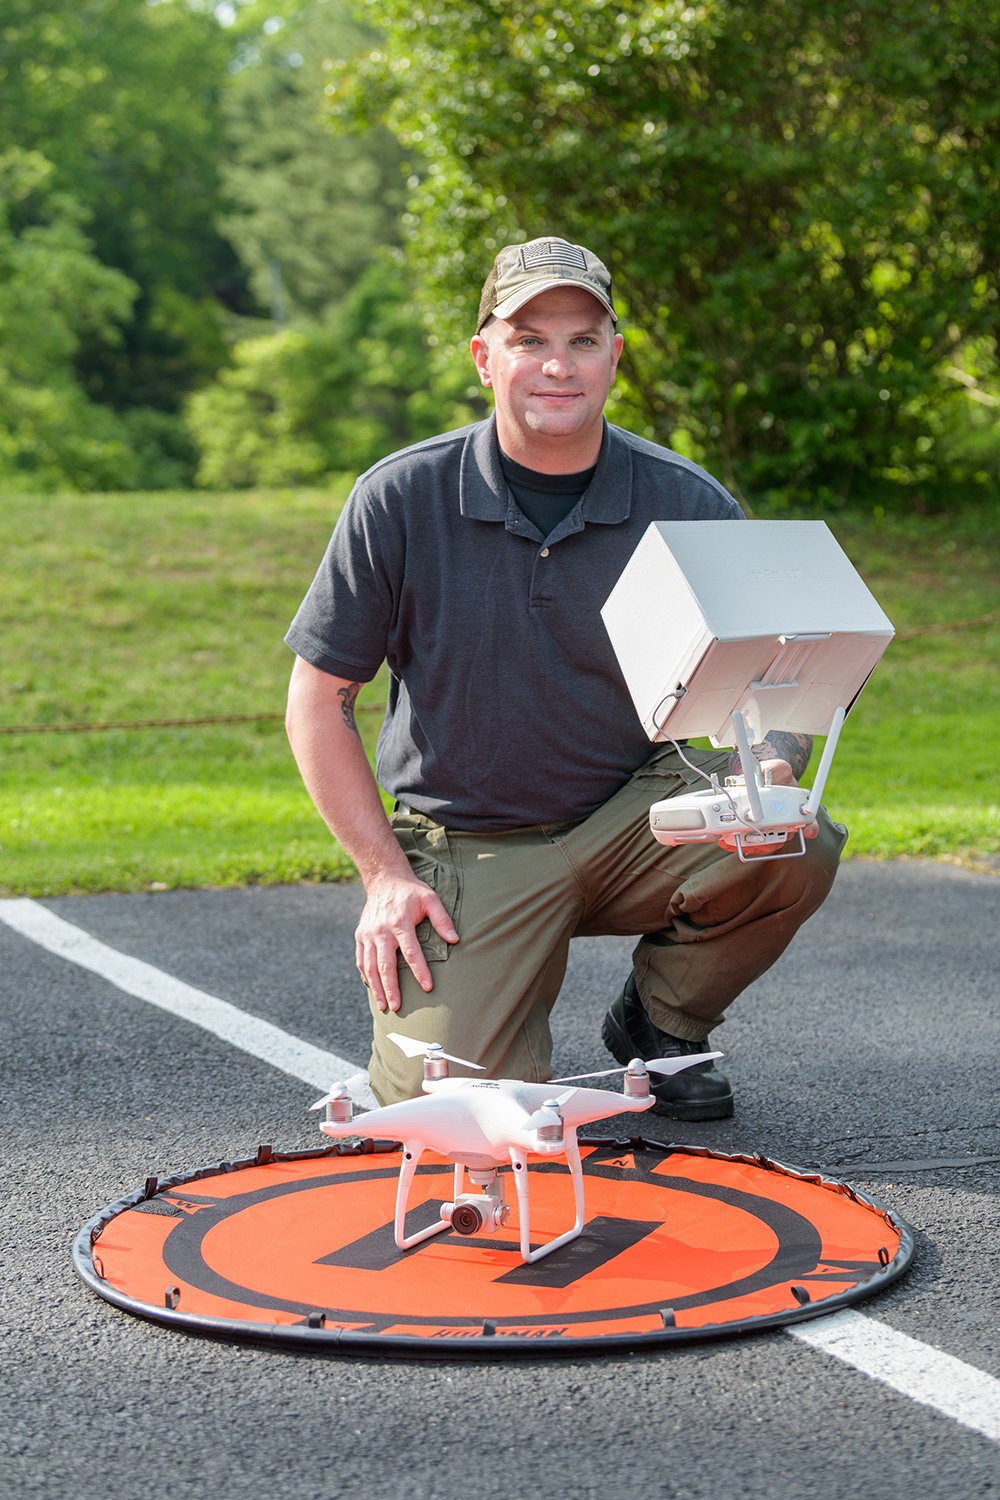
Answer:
(482, 1125)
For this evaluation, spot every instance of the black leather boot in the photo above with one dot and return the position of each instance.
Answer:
(700, 1092)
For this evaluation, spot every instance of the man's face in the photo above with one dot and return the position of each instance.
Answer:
(551, 366)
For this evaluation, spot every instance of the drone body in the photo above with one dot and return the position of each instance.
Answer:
(481, 1125)
(477, 1122)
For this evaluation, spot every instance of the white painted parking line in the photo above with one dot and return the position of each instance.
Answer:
(145, 982)
(917, 1370)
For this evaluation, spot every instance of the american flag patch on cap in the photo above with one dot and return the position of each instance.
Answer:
(552, 253)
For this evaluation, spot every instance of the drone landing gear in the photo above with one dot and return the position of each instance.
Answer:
(486, 1211)
(469, 1213)
(412, 1152)
(520, 1164)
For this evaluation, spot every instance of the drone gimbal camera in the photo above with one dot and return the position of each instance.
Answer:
(736, 629)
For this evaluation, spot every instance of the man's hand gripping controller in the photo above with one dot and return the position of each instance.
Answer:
(748, 813)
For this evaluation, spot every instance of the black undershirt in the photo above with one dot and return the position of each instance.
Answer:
(546, 499)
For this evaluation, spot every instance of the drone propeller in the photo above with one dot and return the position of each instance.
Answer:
(341, 1090)
(549, 1112)
(420, 1049)
(664, 1065)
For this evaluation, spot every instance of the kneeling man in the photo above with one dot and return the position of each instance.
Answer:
(476, 564)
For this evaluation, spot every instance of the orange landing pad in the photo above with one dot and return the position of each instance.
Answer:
(680, 1244)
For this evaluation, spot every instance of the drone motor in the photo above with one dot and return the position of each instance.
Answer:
(435, 1058)
(550, 1130)
(435, 1062)
(337, 1102)
(636, 1085)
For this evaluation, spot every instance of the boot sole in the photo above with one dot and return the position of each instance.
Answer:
(617, 1043)
(718, 1109)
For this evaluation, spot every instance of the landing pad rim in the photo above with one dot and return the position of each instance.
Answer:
(358, 1343)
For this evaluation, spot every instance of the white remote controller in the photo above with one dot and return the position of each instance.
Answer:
(740, 816)
(713, 817)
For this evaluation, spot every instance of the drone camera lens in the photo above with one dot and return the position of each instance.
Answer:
(465, 1219)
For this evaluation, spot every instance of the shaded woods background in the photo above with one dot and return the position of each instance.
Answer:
(243, 246)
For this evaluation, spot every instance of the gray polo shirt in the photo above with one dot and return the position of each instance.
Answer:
(506, 705)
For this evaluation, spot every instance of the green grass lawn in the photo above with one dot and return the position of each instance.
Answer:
(916, 771)
(174, 605)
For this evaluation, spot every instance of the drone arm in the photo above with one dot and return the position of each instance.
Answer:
(412, 1152)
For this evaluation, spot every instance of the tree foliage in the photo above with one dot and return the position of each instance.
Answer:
(176, 157)
(303, 404)
(123, 98)
(319, 204)
(800, 203)
(53, 293)
(121, 101)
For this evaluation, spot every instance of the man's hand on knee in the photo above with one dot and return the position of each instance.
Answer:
(395, 907)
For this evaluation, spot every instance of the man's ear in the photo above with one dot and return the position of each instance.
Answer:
(617, 345)
(480, 351)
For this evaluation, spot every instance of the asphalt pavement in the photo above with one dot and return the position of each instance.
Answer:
(870, 1050)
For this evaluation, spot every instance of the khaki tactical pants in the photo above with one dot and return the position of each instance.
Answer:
(710, 925)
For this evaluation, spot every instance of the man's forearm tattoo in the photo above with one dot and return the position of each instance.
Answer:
(778, 744)
(348, 697)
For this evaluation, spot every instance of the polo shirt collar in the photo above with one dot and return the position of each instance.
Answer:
(482, 489)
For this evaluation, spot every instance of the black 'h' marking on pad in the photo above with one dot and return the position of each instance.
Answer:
(377, 1251)
(602, 1240)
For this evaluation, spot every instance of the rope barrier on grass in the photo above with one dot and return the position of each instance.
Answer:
(371, 708)
(911, 635)
(361, 708)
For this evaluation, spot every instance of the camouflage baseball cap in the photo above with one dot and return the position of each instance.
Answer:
(521, 272)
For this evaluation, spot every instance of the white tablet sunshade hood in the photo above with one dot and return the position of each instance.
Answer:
(766, 617)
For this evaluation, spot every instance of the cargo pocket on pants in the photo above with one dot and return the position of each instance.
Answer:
(664, 774)
(431, 859)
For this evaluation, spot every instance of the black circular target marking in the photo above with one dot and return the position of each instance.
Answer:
(799, 1250)
(183, 1256)
(569, 1319)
